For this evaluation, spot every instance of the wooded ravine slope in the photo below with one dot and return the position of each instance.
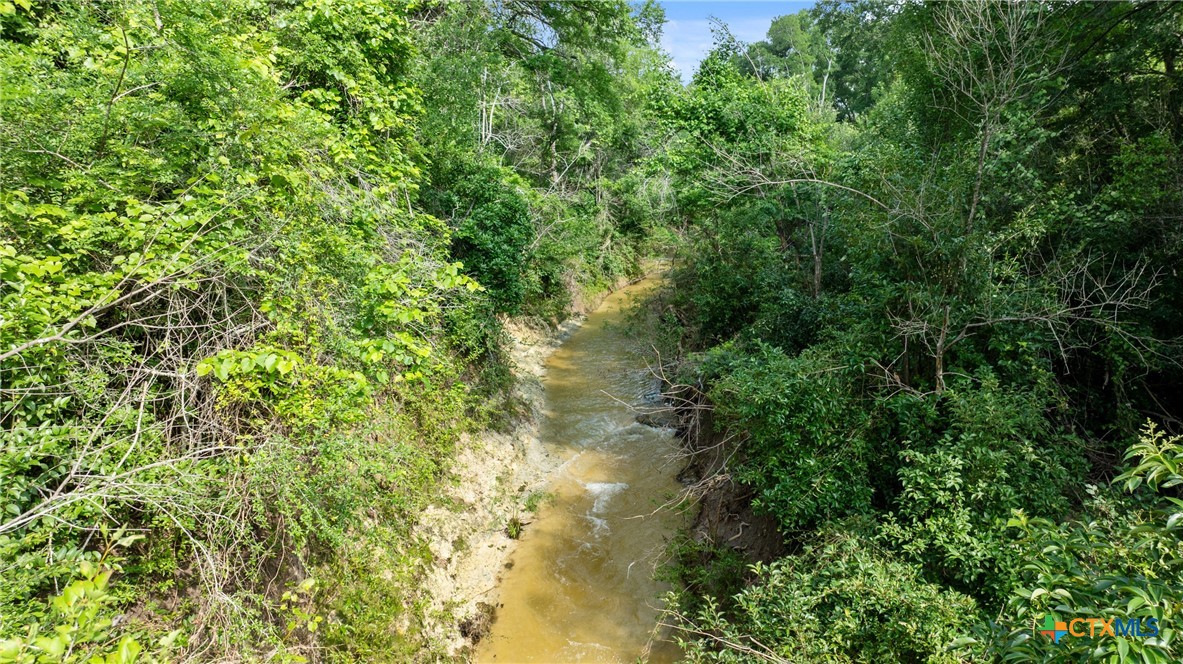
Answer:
(257, 256)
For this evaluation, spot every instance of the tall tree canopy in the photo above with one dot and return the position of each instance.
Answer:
(934, 314)
(255, 258)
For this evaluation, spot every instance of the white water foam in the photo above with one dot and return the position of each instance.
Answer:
(599, 526)
(603, 492)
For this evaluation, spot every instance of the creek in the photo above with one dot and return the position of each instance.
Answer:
(581, 587)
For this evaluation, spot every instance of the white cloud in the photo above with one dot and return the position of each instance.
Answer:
(688, 42)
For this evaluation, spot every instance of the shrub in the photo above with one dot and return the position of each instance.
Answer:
(842, 600)
(1119, 562)
(998, 453)
(803, 447)
(492, 227)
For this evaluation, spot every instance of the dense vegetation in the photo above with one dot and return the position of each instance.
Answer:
(931, 290)
(255, 257)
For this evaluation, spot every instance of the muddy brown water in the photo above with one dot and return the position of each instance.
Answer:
(582, 587)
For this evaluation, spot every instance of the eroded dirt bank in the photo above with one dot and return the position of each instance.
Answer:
(582, 587)
(466, 529)
(493, 473)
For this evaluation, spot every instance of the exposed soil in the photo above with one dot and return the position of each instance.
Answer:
(491, 476)
(725, 516)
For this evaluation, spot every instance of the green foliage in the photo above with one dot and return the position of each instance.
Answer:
(513, 527)
(537, 146)
(737, 158)
(842, 601)
(536, 499)
(703, 574)
(929, 274)
(1121, 563)
(493, 228)
(805, 451)
(228, 316)
(726, 289)
(997, 455)
(297, 603)
(256, 255)
(77, 625)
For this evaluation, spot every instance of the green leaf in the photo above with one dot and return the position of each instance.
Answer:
(130, 539)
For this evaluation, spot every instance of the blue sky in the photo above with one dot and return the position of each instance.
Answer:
(687, 36)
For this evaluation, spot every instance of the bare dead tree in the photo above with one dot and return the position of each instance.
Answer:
(1067, 296)
(990, 53)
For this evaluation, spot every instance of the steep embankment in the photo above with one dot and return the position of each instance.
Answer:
(492, 478)
(492, 474)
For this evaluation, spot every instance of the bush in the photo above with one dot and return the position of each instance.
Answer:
(842, 600)
(492, 227)
(998, 454)
(1121, 562)
(803, 448)
(209, 290)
